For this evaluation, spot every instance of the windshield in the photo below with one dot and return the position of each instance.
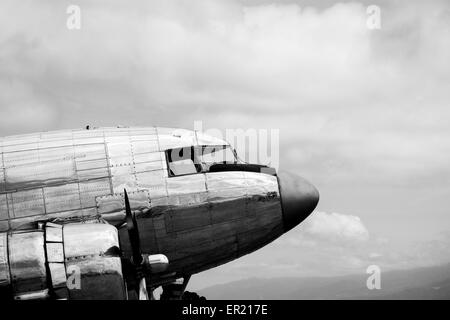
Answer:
(191, 160)
(217, 154)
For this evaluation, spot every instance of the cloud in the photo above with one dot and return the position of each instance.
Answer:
(334, 227)
(350, 101)
(310, 252)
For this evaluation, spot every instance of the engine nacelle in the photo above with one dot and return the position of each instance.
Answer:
(72, 261)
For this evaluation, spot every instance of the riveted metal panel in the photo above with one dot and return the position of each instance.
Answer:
(53, 233)
(220, 230)
(28, 203)
(58, 274)
(261, 183)
(27, 261)
(126, 160)
(226, 186)
(258, 237)
(116, 142)
(62, 198)
(88, 140)
(90, 190)
(14, 159)
(30, 222)
(56, 154)
(110, 204)
(2, 178)
(188, 217)
(159, 206)
(20, 147)
(149, 157)
(90, 152)
(147, 166)
(136, 136)
(227, 209)
(217, 195)
(269, 217)
(144, 146)
(3, 207)
(91, 174)
(160, 227)
(92, 164)
(194, 183)
(227, 193)
(4, 261)
(148, 238)
(151, 178)
(154, 182)
(188, 199)
(139, 201)
(38, 174)
(263, 195)
(19, 143)
(88, 239)
(119, 151)
(123, 178)
(55, 252)
(225, 180)
(4, 226)
(210, 252)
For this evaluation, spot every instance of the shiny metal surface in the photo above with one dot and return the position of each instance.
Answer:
(70, 172)
(198, 221)
(27, 261)
(54, 244)
(90, 249)
(5, 278)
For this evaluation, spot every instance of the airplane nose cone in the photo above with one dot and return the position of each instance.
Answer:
(298, 198)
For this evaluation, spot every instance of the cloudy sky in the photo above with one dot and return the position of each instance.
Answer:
(363, 114)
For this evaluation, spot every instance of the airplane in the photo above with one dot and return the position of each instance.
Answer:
(114, 213)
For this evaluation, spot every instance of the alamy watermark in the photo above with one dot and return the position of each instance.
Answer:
(256, 146)
(374, 280)
(373, 21)
(73, 277)
(73, 21)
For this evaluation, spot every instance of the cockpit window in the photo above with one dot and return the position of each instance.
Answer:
(190, 160)
(181, 161)
(217, 154)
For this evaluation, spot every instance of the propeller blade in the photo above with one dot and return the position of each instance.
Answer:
(133, 232)
(137, 258)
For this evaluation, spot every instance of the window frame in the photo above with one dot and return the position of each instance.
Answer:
(196, 157)
(169, 160)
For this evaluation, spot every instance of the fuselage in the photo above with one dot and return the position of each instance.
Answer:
(197, 214)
